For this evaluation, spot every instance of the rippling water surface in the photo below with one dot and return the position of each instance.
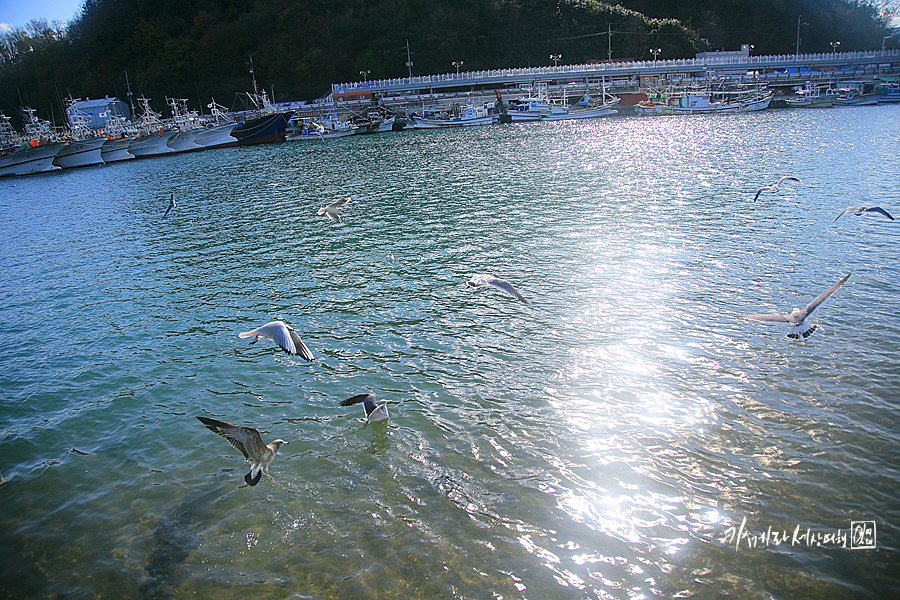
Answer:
(622, 435)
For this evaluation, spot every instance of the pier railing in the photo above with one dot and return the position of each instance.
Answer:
(761, 66)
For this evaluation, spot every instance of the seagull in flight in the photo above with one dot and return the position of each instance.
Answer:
(478, 281)
(283, 335)
(171, 204)
(247, 440)
(332, 209)
(798, 316)
(774, 186)
(860, 210)
(375, 411)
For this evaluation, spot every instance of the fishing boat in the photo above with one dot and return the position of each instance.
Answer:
(317, 128)
(888, 92)
(153, 138)
(853, 95)
(215, 130)
(586, 108)
(83, 146)
(22, 157)
(455, 116)
(691, 102)
(118, 139)
(811, 96)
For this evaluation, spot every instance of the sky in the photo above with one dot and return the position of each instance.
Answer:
(16, 13)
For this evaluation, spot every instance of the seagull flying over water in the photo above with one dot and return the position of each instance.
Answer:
(860, 210)
(281, 334)
(247, 440)
(375, 411)
(332, 209)
(774, 186)
(478, 281)
(797, 316)
(171, 204)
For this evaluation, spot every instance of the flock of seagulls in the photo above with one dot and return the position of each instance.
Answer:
(797, 317)
(260, 455)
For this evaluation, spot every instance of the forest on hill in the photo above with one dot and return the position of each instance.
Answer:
(201, 49)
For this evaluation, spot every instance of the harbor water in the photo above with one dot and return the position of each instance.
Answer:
(623, 435)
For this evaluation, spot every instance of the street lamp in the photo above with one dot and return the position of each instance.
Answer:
(883, 40)
(364, 73)
(655, 52)
(555, 58)
(457, 64)
(834, 46)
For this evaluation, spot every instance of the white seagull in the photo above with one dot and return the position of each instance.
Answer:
(478, 281)
(375, 411)
(281, 334)
(860, 210)
(171, 204)
(774, 186)
(332, 209)
(796, 318)
(247, 440)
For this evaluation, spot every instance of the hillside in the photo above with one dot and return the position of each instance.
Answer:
(200, 49)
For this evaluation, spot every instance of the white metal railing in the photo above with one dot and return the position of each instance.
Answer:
(478, 77)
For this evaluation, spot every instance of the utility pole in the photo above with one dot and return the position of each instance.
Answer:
(798, 36)
(409, 63)
(609, 41)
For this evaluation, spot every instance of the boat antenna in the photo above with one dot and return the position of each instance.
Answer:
(255, 89)
(130, 95)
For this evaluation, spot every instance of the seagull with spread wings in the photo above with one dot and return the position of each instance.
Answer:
(283, 335)
(375, 411)
(247, 440)
(774, 186)
(172, 204)
(797, 316)
(482, 280)
(332, 209)
(861, 210)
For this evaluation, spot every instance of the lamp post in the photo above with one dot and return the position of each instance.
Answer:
(655, 52)
(834, 46)
(555, 58)
(883, 40)
(364, 73)
(457, 64)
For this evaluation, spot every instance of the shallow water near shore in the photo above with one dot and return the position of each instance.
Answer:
(622, 435)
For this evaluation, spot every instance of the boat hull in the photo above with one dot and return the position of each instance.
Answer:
(580, 114)
(216, 137)
(153, 144)
(657, 108)
(457, 122)
(81, 153)
(263, 130)
(183, 141)
(27, 160)
(116, 150)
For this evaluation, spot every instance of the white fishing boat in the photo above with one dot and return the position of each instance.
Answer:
(154, 136)
(23, 157)
(80, 153)
(853, 95)
(455, 116)
(83, 146)
(811, 96)
(215, 131)
(118, 139)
